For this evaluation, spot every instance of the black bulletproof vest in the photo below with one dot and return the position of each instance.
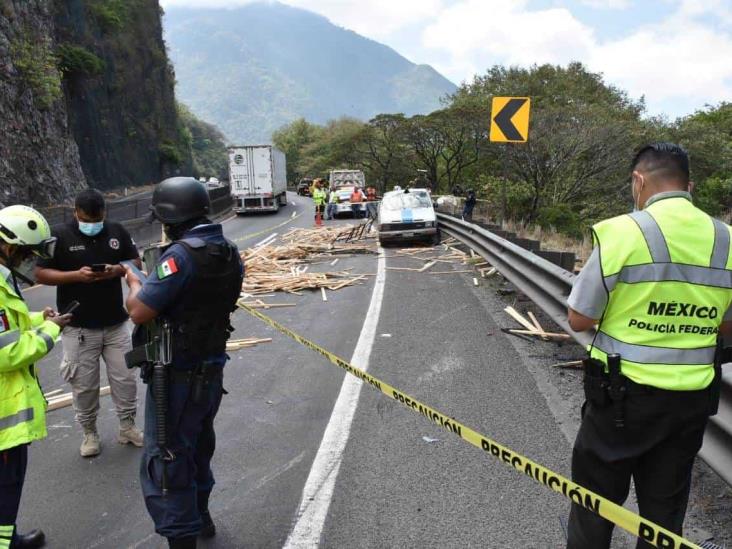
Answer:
(201, 326)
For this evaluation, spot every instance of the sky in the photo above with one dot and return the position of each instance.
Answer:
(675, 53)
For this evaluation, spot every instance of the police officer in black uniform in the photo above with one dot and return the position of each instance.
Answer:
(189, 296)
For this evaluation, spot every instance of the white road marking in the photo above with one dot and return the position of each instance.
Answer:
(266, 241)
(318, 491)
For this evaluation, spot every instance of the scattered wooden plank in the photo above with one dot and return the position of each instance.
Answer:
(52, 393)
(322, 293)
(575, 364)
(475, 281)
(513, 313)
(533, 332)
(447, 272)
(536, 323)
(426, 266)
(65, 400)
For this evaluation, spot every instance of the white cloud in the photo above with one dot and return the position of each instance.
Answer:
(504, 31)
(680, 60)
(671, 60)
(607, 4)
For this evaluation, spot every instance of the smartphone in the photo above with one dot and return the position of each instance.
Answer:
(71, 308)
(99, 267)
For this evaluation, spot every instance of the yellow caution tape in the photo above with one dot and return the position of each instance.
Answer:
(622, 517)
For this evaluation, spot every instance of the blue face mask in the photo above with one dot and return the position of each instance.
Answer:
(91, 229)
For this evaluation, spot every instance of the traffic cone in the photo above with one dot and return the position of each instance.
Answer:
(318, 219)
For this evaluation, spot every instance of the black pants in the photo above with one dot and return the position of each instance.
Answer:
(192, 440)
(13, 463)
(663, 433)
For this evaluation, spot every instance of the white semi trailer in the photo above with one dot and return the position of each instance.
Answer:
(258, 178)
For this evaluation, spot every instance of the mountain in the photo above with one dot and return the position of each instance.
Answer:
(254, 68)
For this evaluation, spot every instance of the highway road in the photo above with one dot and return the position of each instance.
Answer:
(373, 474)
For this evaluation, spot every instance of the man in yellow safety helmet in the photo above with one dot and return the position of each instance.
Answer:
(25, 338)
(659, 286)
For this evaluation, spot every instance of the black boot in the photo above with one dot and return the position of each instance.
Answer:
(189, 542)
(208, 530)
(31, 540)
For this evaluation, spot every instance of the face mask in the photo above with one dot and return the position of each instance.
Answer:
(91, 229)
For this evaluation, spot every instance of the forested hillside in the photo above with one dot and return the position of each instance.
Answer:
(253, 68)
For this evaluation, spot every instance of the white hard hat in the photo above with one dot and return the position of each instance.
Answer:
(26, 227)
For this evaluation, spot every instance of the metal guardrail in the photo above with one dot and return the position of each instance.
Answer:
(548, 286)
(131, 208)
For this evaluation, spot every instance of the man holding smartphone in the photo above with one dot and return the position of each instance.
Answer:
(86, 268)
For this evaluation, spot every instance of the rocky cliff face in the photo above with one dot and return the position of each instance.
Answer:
(86, 97)
(119, 89)
(39, 160)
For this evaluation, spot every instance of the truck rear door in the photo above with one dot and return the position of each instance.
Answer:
(242, 177)
(262, 170)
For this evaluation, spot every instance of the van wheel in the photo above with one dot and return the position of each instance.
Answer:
(436, 239)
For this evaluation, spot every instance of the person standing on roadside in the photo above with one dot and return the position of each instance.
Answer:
(470, 202)
(86, 268)
(356, 202)
(189, 297)
(330, 212)
(319, 197)
(25, 338)
(659, 286)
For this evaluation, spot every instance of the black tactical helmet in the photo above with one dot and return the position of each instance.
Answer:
(179, 199)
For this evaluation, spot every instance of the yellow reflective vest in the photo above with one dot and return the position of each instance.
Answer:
(319, 197)
(668, 273)
(24, 339)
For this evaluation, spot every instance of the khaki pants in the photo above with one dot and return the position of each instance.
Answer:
(80, 368)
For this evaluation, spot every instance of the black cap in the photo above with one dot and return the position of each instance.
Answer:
(179, 199)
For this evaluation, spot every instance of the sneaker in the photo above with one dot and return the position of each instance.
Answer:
(129, 434)
(92, 445)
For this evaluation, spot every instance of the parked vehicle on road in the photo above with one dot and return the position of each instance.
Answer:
(258, 178)
(343, 182)
(303, 187)
(407, 215)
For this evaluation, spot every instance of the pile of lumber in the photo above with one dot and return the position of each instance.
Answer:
(532, 327)
(285, 268)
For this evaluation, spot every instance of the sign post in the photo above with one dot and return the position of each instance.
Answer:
(509, 124)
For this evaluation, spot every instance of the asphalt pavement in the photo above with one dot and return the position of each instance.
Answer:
(402, 481)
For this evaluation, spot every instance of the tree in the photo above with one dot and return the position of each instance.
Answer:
(292, 140)
(382, 146)
(582, 135)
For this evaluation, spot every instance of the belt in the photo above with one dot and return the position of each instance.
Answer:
(633, 388)
(186, 376)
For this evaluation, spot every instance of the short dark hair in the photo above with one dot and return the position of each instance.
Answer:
(91, 202)
(666, 160)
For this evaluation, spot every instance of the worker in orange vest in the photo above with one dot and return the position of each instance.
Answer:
(371, 200)
(356, 200)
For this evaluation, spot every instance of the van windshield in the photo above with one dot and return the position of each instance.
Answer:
(401, 201)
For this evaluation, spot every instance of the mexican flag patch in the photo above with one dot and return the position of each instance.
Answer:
(167, 268)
